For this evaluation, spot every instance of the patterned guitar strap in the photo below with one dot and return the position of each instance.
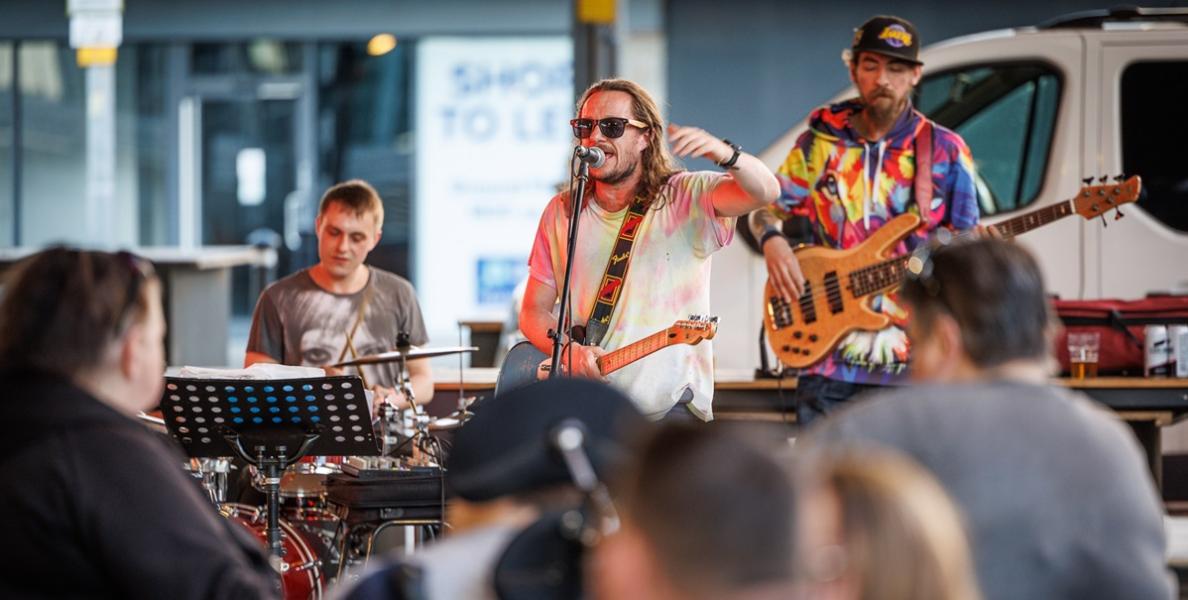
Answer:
(612, 279)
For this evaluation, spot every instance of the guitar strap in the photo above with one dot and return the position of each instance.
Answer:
(616, 272)
(350, 335)
(922, 185)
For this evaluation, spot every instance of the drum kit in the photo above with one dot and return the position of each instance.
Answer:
(312, 526)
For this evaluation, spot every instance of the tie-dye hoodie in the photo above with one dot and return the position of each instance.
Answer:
(827, 178)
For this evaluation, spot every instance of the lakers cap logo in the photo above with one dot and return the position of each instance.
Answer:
(896, 36)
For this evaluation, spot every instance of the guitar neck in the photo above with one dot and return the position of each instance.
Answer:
(613, 361)
(887, 275)
(1034, 219)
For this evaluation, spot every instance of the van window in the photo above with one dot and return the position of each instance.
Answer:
(1007, 114)
(1154, 131)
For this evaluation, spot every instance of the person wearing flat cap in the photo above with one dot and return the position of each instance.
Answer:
(861, 163)
(504, 474)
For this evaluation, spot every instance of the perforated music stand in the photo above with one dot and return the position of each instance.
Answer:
(270, 424)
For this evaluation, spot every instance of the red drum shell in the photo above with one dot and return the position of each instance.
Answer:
(301, 570)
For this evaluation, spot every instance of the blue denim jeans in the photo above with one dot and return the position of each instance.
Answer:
(818, 396)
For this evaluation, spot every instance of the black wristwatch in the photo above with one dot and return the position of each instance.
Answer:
(729, 163)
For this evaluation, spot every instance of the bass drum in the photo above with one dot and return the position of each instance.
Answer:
(301, 568)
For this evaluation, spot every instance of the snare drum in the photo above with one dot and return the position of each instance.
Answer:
(301, 568)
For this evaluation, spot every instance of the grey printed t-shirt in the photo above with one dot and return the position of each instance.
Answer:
(1056, 492)
(298, 323)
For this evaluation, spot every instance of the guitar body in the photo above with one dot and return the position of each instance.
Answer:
(525, 364)
(519, 367)
(803, 332)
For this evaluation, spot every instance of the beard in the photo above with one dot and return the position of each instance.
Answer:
(882, 107)
(619, 176)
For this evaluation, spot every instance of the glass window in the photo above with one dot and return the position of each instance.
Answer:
(365, 132)
(1152, 134)
(1007, 115)
(53, 145)
(7, 207)
(259, 57)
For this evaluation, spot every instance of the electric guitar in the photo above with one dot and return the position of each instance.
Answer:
(525, 364)
(838, 283)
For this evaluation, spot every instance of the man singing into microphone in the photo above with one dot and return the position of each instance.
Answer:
(675, 220)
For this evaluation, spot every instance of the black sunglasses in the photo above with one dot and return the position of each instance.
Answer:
(611, 127)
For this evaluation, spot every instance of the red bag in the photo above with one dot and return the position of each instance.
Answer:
(1120, 325)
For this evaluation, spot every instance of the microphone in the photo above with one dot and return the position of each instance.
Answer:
(591, 155)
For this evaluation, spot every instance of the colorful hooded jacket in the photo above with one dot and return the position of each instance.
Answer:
(826, 178)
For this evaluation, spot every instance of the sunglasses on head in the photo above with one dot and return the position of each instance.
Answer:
(139, 271)
(611, 127)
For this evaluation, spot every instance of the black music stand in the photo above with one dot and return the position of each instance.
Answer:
(269, 423)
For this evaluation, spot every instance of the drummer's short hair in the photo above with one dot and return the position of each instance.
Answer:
(356, 195)
(62, 307)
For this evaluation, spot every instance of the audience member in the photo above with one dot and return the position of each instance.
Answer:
(706, 513)
(875, 526)
(505, 474)
(97, 505)
(1055, 489)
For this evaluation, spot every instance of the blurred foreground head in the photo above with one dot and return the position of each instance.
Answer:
(975, 305)
(92, 317)
(875, 526)
(707, 512)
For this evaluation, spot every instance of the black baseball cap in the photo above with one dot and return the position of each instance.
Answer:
(506, 448)
(889, 36)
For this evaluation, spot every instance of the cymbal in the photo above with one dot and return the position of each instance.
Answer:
(453, 420)
(410, 354)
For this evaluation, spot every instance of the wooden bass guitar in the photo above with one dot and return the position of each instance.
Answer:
(839, 283)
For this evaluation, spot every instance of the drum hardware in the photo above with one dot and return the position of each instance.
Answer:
(271, 424)
(299, 567)
(404, 355)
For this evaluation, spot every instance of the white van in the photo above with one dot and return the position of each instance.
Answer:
(1041, 108)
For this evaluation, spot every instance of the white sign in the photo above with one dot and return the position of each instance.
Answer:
(96, 29)
(493, 143)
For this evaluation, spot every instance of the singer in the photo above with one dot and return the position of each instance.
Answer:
(646, 235)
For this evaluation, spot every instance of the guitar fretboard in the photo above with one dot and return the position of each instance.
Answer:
(888, 274)
(615, 360)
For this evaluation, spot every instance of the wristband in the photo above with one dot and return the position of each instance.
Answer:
(769, 233)
(729, 163)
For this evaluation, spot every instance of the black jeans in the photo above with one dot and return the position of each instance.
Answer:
(818, 396)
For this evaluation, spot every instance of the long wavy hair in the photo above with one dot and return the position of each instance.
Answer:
(656, 162)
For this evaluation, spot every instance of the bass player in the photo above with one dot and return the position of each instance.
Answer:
(851, 172)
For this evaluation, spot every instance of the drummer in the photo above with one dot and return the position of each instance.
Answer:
(340, 308)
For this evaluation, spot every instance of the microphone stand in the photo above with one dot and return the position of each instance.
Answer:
(577, 202)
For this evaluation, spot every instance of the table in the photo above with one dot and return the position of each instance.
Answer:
(196, 295)
(1147, 404)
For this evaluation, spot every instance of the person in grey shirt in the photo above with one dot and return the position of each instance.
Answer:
(341, 308)
(1055, 490)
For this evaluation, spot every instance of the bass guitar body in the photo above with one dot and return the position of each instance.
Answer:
(805, 330)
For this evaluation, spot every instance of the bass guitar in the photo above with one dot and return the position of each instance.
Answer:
(525, 364)
(839, 283)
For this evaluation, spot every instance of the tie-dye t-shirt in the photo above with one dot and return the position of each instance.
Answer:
(827, 177)
(668, 280)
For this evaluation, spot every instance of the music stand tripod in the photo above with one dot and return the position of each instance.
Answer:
(271, 424)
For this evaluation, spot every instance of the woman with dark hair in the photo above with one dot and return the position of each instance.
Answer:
(96, 505)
